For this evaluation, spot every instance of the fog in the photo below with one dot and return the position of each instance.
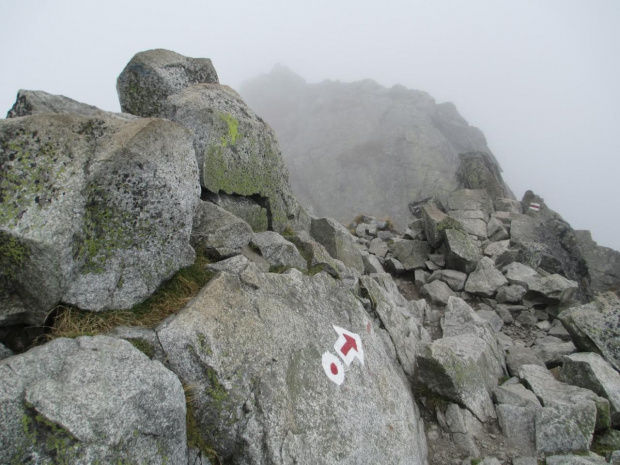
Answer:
(541, 79)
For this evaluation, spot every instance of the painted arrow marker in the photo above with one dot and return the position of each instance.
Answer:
(348, 346)
(333, 368)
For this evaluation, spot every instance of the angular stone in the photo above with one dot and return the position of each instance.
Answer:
(518, 425)
(603, 263)
(372, 264)
(412, 254)
(337, 241)
(520, 274)
(415, 230)
(462, 254)
(517, 395)
(554, 287)
(315, 254)
(552, 350)
(435, 221)
(252, 346)
(152, 76)
(220, 232)
(492, 318)
(552, 392)
(560, 332)
(457, 367)
(496, 231)
(378, 247)
(421, 277)
(495, 249)
(237, 264)
(454, 279)
(478, 170)
(519, 356)
(470, 199)
(510, 294)
(5, 352)
(563, 428)
(595, 327)
(591, 459)
(94, 212)
(438, 292)
(591, 371)
(473, 222)
(94, 400)
(486, 279)
(508, 205)
(394, 266)
(278, 251)
(464, 428)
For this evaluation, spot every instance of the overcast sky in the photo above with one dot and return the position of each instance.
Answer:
(540, 78)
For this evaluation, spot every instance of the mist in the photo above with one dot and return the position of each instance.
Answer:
(540, 79)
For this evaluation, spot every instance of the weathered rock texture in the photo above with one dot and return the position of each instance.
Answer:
(603, 263)
(251, 344)
(401, 147)
(90, 400)
(94, 212)
(237, 151)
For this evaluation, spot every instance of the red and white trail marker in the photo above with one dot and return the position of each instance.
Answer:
(535, 207)
(333, 368)
(348, 346)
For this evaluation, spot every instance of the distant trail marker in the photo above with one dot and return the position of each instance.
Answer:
(348, 346)
(535, 207)
(333, 368)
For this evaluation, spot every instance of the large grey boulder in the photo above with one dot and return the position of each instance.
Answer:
(460, 369)
(454, 279)
(563, 428)
(591, 371)
(552, 350)
(473, 221)
(152, 76)
(462, 254)
(595, 327)
(34, 102)
(464, 428)
(603, 263)
(516, 357)
(517, 395)
(438, 292)
(518, 425)
(278, 251)
(5, 352)
(405, 330)
(435, 222)
(259, 349)
(337, 241)
(90, 400)
(486, 279)
(552, 392)
(412, 254)
(520, 274)
(221, 233)
(471, 200)
(554, 287)
(317, 257)
(94, 212)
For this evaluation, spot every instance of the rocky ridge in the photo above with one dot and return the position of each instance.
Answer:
(477, 335)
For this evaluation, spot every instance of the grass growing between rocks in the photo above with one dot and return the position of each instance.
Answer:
(194, 438)
(168, 299)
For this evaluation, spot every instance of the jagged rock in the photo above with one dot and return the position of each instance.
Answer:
(595, 327)
(508, 205)
(315, 254)
(378, 247)
(519, 356)
(405, 331)
(527, 319)
(253, 211)
(517, 395)
(431, 265)
(460, 369)
(492, 318)
(603, 263)
(438, 292)
(394, 266)
(372, 264)
(454, 279)
(252, 345)
(94, 212)
(496, 231)
(337, 241)
(479, 171)
(90, 400)
(238, 263)
(278, 251)
(520, 274)
(34, 102)
(464, 428)
(421, 277)
(415, 230)
(504, 314)
(591, 459)
(438, 259)
(486, 279)
(462, 254)
(473, 221)
(470, 200)
(412, 254)
(591, 371)
(552, 392)
(559, 331)
(460, 318)
(152, 76)
(495, 249)
(5, 352)
(220, 232)
(144, 339)
(361, 230)
(518, 425)
(554, 287)
(551, 350)
(563, 428)
(510, 294)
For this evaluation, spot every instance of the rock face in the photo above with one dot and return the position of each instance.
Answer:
(402, 147)
(479, 171)
(90, 400)
(603, 263)
(152, 76)
(337, 241)
(94, 212)
(237, 151)
(254, 344)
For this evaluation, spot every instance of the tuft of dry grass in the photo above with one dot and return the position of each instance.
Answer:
(168, 299)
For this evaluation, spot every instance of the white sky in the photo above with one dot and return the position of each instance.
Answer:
(541, 78)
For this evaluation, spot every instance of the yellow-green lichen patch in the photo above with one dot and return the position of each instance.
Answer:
(233, 129)
(13, 254)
